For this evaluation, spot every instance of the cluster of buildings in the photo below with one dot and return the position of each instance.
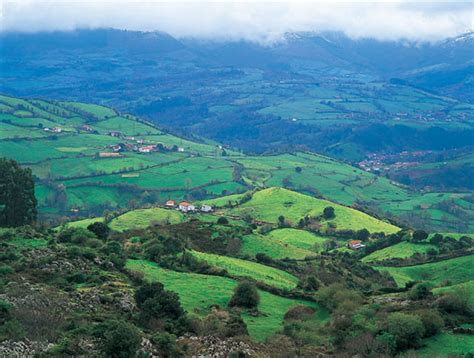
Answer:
(186, 207)
(53, 130)
(141, 148)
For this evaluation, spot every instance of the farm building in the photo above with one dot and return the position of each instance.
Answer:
(355, 244)
(109, 155)
(86, 128)
(115, 134)
(170, 204)
(147, 149)
(185, 207)
(206, 208)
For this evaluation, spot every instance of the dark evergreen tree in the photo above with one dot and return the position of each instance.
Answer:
(17, 194)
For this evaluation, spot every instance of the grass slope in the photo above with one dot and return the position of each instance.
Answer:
(198, 292)
(400, 250)
(268, 204)
(447, 345)
(254, 243)
(269, 275)
(298, 238)
(142, 218)
(455, 271)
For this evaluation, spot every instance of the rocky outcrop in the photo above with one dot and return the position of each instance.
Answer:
(22, 349)
(215, 347)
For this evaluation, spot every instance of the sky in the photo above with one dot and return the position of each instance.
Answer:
(259, 20)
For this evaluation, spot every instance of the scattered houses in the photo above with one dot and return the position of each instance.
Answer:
(355, 244)
(86, 128)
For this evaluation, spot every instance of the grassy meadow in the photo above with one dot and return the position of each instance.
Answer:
(443, 273)
(218, 290)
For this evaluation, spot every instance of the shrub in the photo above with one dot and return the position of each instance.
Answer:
(222, 220)
(329, 213)
(420, 291)
(166, 344)
(362, 235)
(456, 302)
(121, 340)
(407, 329)
(75, 235)
(100, 229)
(157, 303)
(432, 321)
(419, 235)
(245, 296)
(299, 312)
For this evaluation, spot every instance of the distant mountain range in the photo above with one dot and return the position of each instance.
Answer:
(323, 92)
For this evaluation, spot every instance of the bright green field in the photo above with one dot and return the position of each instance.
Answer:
(268, 204)
(84, 223)
(457, 270)
(269, 275)
(254, 243)
(400, 250)
(447, 345)
(142, 218)
(198, 292)
(298, 238)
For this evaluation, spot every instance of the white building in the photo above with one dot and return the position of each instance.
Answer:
(206, 208)
(185, 207)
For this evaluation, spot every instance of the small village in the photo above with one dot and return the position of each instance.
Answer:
(186, 207)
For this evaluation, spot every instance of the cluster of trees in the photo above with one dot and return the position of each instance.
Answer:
(17, 195)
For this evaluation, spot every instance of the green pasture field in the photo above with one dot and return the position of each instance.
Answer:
(100, 112)
(90, 165)
(298, 238)
(268, 204)
(401, 250)
(84, 223)
(142, 218)
(199, 292)
(447, 345)
(124, 125)
(269, 275)
(454, 271)
(254, 243)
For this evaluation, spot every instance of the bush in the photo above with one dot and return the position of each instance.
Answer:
(432, 321)
(222, 220)
(419, 235)
(299, 312)
(407, 329)
(245, 296)
(362, 235)
(329, 213)
(100, 229)
(166, 344)
(75, 235)
(420, 291)
(156, 303)
(456, 302)
(121, 340)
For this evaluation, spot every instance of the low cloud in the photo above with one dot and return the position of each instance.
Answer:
(263, 22)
